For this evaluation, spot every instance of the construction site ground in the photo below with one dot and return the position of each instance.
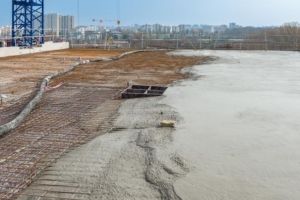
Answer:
(82, 109)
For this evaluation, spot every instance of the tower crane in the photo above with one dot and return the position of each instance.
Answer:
(101, 21)
(118, 15)
(118, 12)
(27, 20)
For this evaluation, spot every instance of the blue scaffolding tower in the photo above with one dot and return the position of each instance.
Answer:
(27, 22)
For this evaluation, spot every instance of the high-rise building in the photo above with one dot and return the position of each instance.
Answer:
(5, 31)
(166, 29)
(175, 29)
(137, 26)
(182, 28)
(208, 29)
(56, 24)
(157, 28)
(188, 26)
(52, 23)
(66, 24)
(232, 25)
(146, 28)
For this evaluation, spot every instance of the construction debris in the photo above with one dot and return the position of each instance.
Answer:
(138, 91)
(167, 123)
(47, 88)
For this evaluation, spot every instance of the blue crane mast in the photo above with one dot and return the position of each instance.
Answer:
(27, 21)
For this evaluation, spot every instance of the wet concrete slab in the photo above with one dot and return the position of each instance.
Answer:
(241, 135)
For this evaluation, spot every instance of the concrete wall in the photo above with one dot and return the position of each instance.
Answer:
(48, 46)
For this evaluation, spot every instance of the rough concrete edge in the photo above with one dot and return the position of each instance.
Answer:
(26, 111)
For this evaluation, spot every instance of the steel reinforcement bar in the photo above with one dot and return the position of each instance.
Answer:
(51, 130)
(25, 112)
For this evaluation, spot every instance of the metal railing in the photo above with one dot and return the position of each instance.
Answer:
(168, 41)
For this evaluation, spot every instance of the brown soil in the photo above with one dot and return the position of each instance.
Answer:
(21, 74)
(147, 68)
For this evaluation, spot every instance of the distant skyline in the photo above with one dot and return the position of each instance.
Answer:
(172, 12)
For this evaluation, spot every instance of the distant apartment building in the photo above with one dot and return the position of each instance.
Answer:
(90, 29)
(208, 29)
(175, 29)
(5, 31)
(57, 24)
(52, 23)
(188, 26)
(66, 24)
(157, 28)
(137, 26)
(166, 29)
(146, 28)
(224, 26)
(182, 28)
(221, 28)
(232, 25)
(94, 28)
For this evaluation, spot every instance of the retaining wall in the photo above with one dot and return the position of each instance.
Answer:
(48, 46)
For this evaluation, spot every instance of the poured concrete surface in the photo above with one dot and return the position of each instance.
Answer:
(236, 134)
(241, 135)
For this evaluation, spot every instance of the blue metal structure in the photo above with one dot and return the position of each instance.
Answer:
(27, 22)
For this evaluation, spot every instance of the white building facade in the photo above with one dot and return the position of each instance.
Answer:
(52, 23)
(66, 24)
(58, 24)
(5, 32)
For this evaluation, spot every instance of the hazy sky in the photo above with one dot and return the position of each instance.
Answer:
(173, 12)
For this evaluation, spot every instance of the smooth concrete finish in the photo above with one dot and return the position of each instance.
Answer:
(241, 135)
(48, 46)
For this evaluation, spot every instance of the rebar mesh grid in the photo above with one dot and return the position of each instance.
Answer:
(56, 125)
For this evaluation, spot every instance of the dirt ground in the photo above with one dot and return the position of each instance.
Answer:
(84, 107)
(21, 74)
(149, 68)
